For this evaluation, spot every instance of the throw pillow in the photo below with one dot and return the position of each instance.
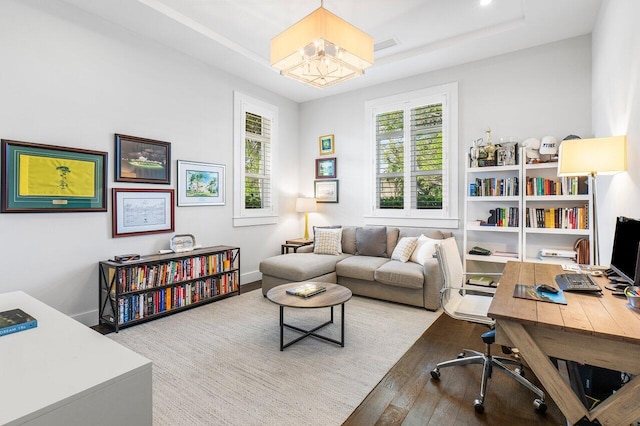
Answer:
(328, 241)
(404, 249)
(424, 250)
(371, 241)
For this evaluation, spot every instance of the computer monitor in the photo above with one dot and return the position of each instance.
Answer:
(626, 250)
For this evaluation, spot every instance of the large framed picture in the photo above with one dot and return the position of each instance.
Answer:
(142, 160)
(327, 145)
(326, 191)
(48, 178)
(326, 168)
(142, 211)
(200, 184)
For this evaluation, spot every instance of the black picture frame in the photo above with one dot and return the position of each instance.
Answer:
(142, 160)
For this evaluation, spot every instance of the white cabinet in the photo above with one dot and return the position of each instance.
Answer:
(546, 212)
(563, 215)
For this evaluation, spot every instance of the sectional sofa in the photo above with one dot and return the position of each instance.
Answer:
(364, 265)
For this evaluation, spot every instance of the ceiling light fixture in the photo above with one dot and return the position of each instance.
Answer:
(322, 49)
(485, 2)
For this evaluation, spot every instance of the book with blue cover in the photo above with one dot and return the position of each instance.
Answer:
(523, 291)
(16, 320)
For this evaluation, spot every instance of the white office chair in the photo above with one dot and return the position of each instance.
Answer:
(459, 304)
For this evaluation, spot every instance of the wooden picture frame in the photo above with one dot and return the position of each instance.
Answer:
(201, 184)
(142, 160)
(326, 144)
(142, 211)
(50, 178)
(326, 168)
(326, 191)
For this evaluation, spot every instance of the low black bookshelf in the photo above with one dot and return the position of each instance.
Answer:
(163, 284)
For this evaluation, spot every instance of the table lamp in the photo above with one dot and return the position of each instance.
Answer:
(591, 157)
(306, 206)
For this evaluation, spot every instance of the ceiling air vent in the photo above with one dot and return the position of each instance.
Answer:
(385, 44)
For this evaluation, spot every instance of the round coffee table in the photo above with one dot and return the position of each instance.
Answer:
(334, 294)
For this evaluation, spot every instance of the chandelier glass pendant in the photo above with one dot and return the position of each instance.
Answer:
(322, 49)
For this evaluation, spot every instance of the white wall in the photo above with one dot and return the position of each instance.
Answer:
(616, 110)
(70, 79)
(535, 92)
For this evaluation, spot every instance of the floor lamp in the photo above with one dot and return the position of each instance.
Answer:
(306, 206)
(591, 157)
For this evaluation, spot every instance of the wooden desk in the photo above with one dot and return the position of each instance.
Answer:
(597, 330)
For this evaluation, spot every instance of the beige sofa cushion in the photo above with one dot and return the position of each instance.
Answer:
(300, 266)
(360, 267)
(400, 274)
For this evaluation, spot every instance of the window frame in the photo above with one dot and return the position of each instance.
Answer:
(448, 216)
(261, 216)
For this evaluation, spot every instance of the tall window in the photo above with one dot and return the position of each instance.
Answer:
(414, 138)
(255, 123)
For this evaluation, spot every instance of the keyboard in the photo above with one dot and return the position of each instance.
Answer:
(577, 282)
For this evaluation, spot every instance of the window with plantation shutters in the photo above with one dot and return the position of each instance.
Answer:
(255, 123)
(414, 139)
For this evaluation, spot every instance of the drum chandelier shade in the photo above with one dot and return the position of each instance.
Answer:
(322, 49)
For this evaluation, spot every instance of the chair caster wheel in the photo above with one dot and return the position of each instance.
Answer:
(520, 371)
(478, 406)
(435, 374)
(540, 406)
(460, 355)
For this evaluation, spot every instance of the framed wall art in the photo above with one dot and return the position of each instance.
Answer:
(326, 191)
(327, 145)
(326, 168)
(200, 184)
(142, 160)
(48, 178)
(142, 211)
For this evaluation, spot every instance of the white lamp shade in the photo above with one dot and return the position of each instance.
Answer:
(305, 205)
(582, 157)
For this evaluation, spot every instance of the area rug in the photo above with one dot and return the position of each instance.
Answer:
(220, 364)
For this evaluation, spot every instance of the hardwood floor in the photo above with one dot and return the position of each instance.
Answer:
(408, 396)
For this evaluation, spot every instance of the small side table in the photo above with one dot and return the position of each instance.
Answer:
(294, 245)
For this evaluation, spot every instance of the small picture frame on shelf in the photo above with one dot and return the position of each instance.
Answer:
(507, 155)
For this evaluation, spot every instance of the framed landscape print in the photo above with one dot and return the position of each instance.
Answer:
(326, 191)
(326, 168)
(141, 211)
(48, 178)
(142, 160)
(200, 184)
(327, 145)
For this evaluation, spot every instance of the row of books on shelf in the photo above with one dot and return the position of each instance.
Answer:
(558, 217)
(573, 185)
(143, 305)
(494, 187)
(502, 217)
(148, 276)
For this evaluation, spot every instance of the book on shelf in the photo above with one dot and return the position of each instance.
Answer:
(306, 290)
(505, 254)
(15, 320)
(480, 280)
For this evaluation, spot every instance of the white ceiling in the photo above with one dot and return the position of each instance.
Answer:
(234, 35)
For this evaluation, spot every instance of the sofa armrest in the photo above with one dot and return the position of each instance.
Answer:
(305, 249)
(432, 284)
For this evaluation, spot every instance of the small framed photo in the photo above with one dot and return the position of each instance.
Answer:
(142, 160)
(326, 191)
(327, 145)
(52, 179)
(326, 168)
(200, 184)
(142, 211)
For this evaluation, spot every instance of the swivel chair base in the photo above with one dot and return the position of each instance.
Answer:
(489, 362)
